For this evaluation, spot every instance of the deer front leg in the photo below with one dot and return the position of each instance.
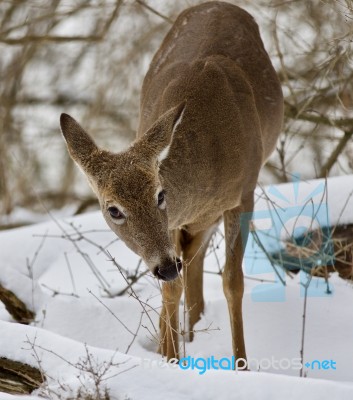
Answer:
(233, 279)
(194, 248)
(169, 319)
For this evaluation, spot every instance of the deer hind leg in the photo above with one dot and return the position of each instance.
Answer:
(194, 248)
(233, 279)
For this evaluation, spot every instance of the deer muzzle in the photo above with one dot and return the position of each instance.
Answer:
(168, 270)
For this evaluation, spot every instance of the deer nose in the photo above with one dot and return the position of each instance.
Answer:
(169, 270)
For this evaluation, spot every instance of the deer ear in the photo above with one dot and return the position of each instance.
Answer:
(158, 138)
(79, 143)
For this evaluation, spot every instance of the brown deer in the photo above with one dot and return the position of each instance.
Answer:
(210, 114)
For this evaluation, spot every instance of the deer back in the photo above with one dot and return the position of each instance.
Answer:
(213, 57)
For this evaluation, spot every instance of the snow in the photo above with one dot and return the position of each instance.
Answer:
(58, 269)
(336, 192)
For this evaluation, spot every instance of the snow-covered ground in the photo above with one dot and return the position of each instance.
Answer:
(59, 269)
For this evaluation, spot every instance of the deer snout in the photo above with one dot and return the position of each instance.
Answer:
(169, 270)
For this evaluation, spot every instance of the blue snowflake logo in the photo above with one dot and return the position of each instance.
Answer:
(292, 234)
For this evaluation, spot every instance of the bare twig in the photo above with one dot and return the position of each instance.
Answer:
(154, 11)
(326, 168)
(306, 287)
(111, 312)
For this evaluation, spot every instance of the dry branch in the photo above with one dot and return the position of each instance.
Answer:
(16, 307)
(293, 112)
(154, 11)
(335, 154)
(18, 378)
(56, 39)
(63, 39)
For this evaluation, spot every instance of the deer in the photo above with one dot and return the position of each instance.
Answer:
(211, 110)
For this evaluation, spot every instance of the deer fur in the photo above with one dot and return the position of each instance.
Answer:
(210, 114)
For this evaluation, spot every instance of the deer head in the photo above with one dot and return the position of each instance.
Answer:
(130, 189)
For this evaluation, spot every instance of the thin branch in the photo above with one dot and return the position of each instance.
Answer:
(132, 291)
(63, 39)
(306, 287)
(325, 169)
(154, 11)
(55, 39)
(111, 312)
(292, 111)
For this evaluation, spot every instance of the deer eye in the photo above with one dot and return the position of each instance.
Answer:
(115, 213)
(161, 199)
